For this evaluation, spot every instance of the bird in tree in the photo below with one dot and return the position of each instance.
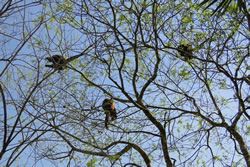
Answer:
(186, 51)
(108, 106)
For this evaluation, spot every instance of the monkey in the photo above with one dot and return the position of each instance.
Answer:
(58, 62)
(108, 106)
(186, 51)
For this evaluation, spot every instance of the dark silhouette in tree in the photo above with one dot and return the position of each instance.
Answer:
(186, 51)
(108, 106)
(60, 63)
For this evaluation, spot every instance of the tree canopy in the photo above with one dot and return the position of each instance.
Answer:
(178, 75)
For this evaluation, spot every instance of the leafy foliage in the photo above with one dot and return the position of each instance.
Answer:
(170, 111)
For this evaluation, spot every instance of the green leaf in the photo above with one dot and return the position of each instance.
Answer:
(184, 73)
(233, 7)
(217, 158)
(52, 19)
(248, 130)
(114, 157)
(187, 19)
(184, 42)
(122, 17)
(91, 163)
(223, 84)
(168, 44)
(173, 72)
(209, 82)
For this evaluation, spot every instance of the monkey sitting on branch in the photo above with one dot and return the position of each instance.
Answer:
(186, 51)
(60, 63)
(108, 106)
